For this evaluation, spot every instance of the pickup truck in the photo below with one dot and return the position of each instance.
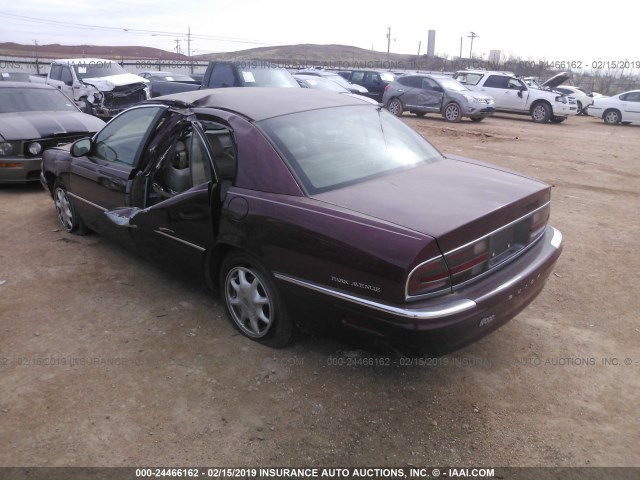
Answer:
(222, 74)
(512, 95)
(99, 87)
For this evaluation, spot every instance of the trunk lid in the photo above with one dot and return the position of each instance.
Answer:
(455, 200)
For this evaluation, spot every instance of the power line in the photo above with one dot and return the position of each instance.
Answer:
(139, 31)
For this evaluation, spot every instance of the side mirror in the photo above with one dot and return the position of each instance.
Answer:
(81, 147)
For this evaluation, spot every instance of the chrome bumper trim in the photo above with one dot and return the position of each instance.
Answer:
(425, 313)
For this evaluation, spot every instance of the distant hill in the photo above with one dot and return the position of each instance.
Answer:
(309, 52)
(96, 51)
(336, 56)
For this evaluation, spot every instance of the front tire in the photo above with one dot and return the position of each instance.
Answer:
(612, 117)
(452, 112)
(395, 107)
(252, 301)
(541, 113)
(579, 106)
(67, 215)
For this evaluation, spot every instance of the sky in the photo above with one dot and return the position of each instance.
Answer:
(536, 30)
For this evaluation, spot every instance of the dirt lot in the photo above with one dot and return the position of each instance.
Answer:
(106, 360)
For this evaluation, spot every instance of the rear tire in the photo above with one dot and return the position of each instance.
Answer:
(69, 219)
(252, 301)
(580, 111)
(612, 117)
(476, 119)
(395, 107)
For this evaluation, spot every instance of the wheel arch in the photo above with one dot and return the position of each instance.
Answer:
(538, 102)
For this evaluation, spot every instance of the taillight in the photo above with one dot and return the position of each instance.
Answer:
(386, 87)
(469, 261)
(539, 222)
(429, 277)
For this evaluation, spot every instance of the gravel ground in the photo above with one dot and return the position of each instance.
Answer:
(106, 360)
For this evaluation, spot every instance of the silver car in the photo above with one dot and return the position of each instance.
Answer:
(426, 93)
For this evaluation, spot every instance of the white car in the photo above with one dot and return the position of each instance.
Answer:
(511, 94)
(583, 99)
(621, 108)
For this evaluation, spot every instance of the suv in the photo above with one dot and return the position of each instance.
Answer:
(421, 93)
(374, 81)
(512, 95)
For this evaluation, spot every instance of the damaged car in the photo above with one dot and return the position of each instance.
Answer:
(307, 209)
(32, 119)
(98, 86)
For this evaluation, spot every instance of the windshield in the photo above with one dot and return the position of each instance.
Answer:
(387, 77)
(335, 147)
(96, 69)
(338, 79)
(322, 84)
(34, 100)
(453, 85)
(267, 77)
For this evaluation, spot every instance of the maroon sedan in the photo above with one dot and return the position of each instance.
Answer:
(312, 209)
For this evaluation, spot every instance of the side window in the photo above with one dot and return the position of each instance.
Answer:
(631, 97)
(56, 72)
(357, 76)
(515, 84)
(220, 140)
(409, 81)
(429, 84)
(66, 76)
(497, 81)
(122, 140)
(222, 76)
(186, 163)
(372, 77)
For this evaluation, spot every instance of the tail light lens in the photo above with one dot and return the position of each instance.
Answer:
(429, 277)
(386, 87)
(539, 222)
(469, 261)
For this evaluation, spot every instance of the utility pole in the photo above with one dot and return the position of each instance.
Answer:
(472, 36)
(460, 57)
(35, 42)
(419, 45)
(189, 49)
(177, 40)
(388, 42)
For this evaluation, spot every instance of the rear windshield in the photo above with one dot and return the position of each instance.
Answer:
(266, 77)
(34, 100)
(335, 147)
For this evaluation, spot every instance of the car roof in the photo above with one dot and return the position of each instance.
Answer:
(259, 103)
(492, 72)
(26, 85)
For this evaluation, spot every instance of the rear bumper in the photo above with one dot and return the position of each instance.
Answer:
(438, 325)
(19, 170)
